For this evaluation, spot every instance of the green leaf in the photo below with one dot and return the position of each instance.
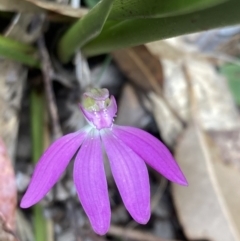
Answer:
(19, 52)
(122, 34)
(91, 3)
(85, 29)
(15, 45)
(129, 9)
(232, 73)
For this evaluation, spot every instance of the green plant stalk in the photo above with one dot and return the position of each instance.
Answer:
(85, 29)
(37, 125)
(19, 56)
(15, 45)
(123, 34)
(18, 51)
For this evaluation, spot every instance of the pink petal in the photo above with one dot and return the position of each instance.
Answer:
(152, 151)
(51, 166)
(131, 176)
(91, 184)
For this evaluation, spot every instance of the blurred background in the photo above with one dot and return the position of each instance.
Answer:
(183, 90)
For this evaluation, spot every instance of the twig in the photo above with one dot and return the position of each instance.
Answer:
(159, 194)
(48, 74)
(135, 234)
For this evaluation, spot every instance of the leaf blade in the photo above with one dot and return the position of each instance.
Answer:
(122, 34)
(157, 9)
(84, 30)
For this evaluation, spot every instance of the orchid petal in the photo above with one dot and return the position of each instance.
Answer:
(91, 184)
(152, 151)
(51, 166)
(131, 176)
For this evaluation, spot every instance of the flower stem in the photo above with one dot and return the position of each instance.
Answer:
(37, 130)
(84, 30)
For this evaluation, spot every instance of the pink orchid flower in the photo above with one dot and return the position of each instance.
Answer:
(127, 148)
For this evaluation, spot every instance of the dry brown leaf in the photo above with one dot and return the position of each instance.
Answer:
(18, 6)
(175, 90)
(59, 8)
(168, 124)
(214, 103)
(8, 191)
(5, 233)
(38, 6)
(145, 71)
(165, 50)
(228, 143)
(130, 110)
(209, 208)
(170, 118)
(12, 79)
(20, 29)
(174, 49)
(214, 106)
(141, 67)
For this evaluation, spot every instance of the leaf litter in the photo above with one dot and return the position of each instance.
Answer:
(207, 146)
